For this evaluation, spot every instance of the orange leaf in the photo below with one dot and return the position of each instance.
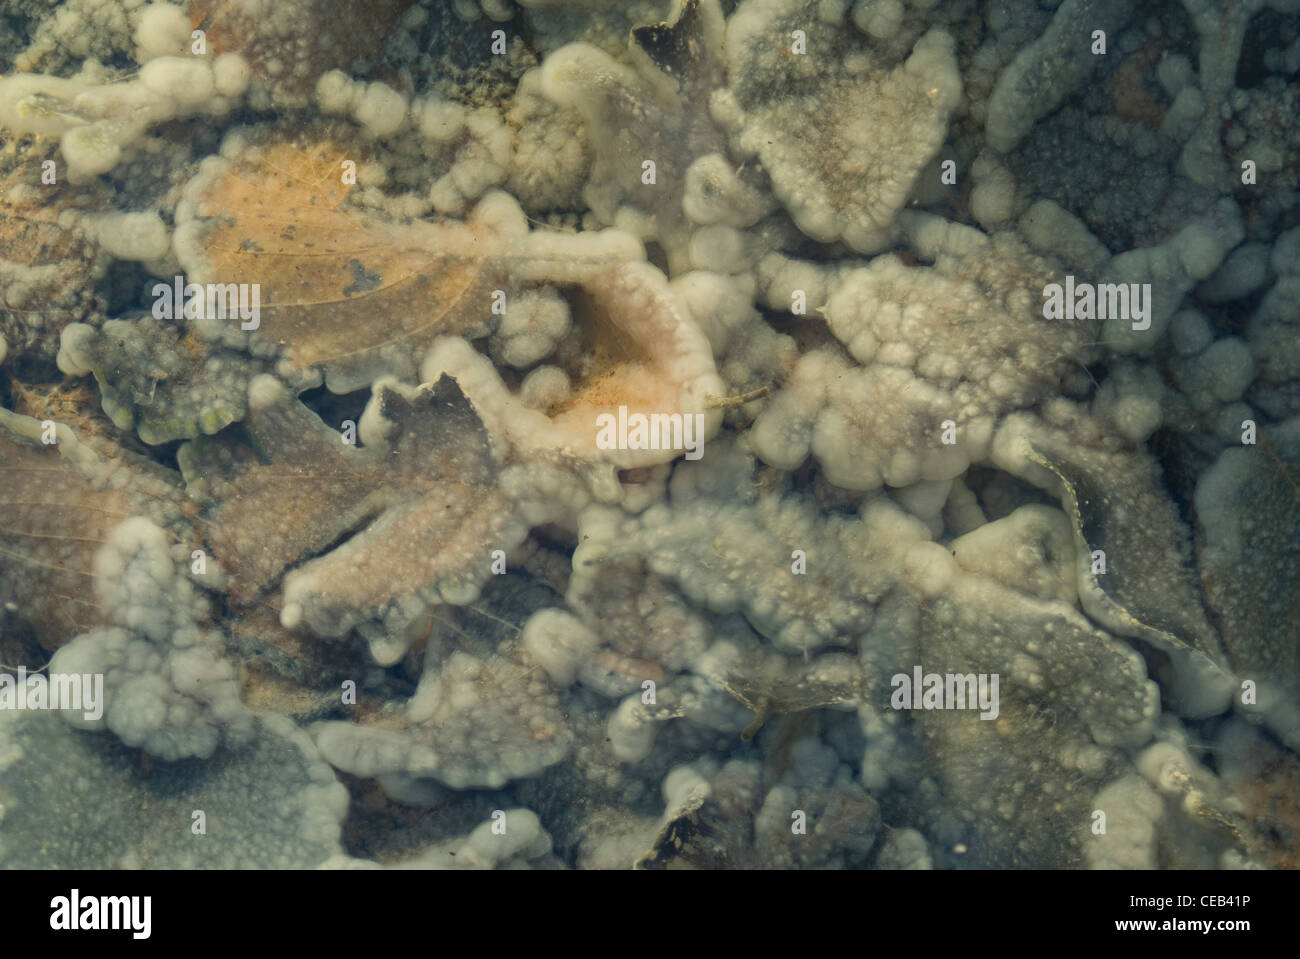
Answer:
(341, 289)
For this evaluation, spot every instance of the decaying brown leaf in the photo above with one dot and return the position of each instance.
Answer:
(421, 507)
(58, 501)
(271, 512)
(340, 289)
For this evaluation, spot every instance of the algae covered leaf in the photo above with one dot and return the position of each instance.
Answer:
(381, 530)
(59, 499)
(350, 292)
(289, 45)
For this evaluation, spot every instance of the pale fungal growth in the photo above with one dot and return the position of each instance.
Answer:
(51, 268)
(1031, 551)
(511, 839)
(150, 384)
(715, 193)
(1219, 374)
(508, 839)
(167, 688)
(1101, 485)
(559, 641)
(818, 169)
(437, 119)
(1241, 499)
(798, 614)
(381, 109)
(1132, 400)
(533, 325)
(481, 162)
(1168, 270)
(1050, 229)
(878, 18)
(699, 828)
(82, 30)
(940, 352)
(632, 730)
(993, 199)
(905, 849)
(551, 152)
(1047, 71)
(1133, 811)
(646, 122)
(163, 31)
(544, 387)
(646, 362)
(274, 804)
(336, 93)
(472, 723)
(1271, 329)
(98, 123)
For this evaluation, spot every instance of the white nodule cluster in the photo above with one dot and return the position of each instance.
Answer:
(167, 688)
(1172, 269)
(98, 122)
(861, 207)
(535, 322)
(559, 641)
(163, 31)
(133, 236)
(1133, 810)
(464, 727)
(940, 351)
(668, 369)
(846, 175)
(380, 109)
(481, 162)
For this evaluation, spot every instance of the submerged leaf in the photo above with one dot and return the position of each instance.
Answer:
(165, 382)
(270, 514)
(1248, 504)
(421, 505)
(58, 502)
(1133, 552)
(338, 288)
